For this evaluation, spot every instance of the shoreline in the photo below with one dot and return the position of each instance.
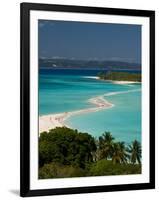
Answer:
(51, 121)
(125, 82)
(113, 81)
(121, 82)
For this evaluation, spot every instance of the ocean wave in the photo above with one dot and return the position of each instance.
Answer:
(92, 77)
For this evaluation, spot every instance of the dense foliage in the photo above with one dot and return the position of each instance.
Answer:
(120, 76)
(105, 167)
(64, 152)
(58, 170)
(66, 146)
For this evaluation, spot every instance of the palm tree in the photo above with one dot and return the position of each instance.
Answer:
(135, 152)
(96, 154)
(119, 153)
(105, 145)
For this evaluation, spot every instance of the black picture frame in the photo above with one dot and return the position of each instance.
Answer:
(25, 9)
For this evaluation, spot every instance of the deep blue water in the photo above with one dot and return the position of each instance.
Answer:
(78, 72)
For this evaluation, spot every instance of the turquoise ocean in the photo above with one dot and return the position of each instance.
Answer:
(62, 90)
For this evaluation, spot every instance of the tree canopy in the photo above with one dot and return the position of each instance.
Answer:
(66, 146)
(64, 152)
(120, 76)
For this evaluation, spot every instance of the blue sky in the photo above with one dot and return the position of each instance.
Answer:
(81, 40)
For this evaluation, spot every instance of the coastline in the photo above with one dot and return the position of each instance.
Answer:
(113, 81)
(51, 121)
(125, 82)
(121, 82)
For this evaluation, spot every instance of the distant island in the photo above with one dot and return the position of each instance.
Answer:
(120, 76)
(67, 63)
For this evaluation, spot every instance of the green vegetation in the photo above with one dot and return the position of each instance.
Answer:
(64, 152)
(57, 170)
(120, 76)
(66, 146)
(135, 152)
(105, 167)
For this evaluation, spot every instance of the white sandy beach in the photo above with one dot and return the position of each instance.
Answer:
(47, 122)
(125, 82)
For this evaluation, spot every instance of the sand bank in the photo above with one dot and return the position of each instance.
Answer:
(47, 122)
(125, 82)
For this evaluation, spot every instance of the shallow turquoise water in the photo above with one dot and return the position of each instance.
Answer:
(61, 92)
